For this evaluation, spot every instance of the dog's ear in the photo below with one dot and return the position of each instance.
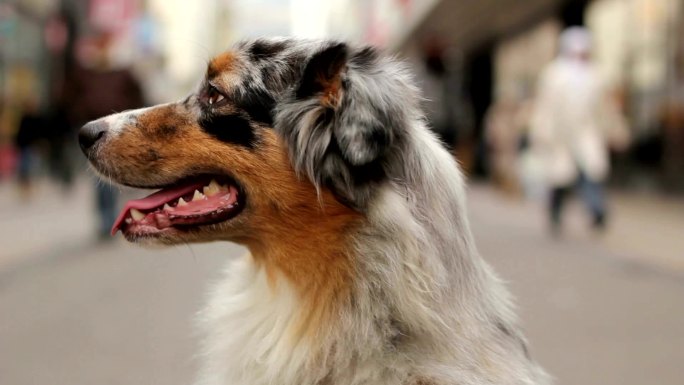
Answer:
(346, 112)
(322, 76)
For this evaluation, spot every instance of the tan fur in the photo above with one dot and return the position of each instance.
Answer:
(332, 90)
(222, 64)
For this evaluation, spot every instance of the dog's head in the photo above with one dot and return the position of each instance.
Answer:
(280, 132)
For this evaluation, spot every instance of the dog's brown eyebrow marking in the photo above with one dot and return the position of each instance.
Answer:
(224, 62)
(258, 105)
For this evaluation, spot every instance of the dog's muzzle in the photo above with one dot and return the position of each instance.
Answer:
(90, 135)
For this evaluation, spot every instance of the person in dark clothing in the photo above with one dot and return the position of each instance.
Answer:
(30, 132)
(58, 136)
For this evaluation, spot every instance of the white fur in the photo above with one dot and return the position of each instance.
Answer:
(250, 326)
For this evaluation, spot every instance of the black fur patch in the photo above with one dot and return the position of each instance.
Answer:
(359, 175)
(258, 105)
(230, 129)
(262, 50)
(365, 58)
(322, 67)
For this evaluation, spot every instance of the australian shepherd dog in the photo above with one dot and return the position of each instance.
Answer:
(362, 268)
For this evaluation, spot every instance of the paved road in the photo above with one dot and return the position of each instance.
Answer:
(595, 313)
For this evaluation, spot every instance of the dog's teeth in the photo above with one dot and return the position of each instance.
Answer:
(212, 189)
(182, 202)
(137, 215)
(129, 221)
(167, 207)
(198, 196)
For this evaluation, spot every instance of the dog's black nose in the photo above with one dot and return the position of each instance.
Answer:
(91, 133)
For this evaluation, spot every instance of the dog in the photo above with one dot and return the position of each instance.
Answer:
(362, 268)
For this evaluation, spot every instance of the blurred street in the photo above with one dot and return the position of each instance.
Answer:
(596, 311)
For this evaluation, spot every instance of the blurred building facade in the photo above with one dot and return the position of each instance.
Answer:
(501, 47)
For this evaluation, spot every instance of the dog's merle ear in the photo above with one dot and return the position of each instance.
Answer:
(323, 73)
(347, 111)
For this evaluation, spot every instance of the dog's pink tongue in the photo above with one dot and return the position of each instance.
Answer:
(154, 200)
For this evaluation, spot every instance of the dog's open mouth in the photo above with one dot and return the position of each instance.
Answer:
(198, 202)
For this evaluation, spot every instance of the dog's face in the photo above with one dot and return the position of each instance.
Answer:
(232, 159)
(223, 170)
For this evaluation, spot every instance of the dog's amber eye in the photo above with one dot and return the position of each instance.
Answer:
(214, 96)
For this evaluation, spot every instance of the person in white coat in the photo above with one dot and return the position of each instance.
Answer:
(568, 128)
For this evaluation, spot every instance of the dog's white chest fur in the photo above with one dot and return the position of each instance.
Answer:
(249, 328)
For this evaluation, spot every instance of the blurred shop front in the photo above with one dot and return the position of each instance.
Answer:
(497, 49)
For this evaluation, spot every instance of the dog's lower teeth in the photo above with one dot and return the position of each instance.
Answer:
(137, 215)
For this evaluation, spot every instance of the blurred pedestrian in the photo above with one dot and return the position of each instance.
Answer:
(96, 88)
(572, 124)
(502, 136)
(58, 135)
(29, 133)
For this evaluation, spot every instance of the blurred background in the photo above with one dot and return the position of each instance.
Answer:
(544, 120)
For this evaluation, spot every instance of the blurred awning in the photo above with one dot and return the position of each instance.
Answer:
(467, 23)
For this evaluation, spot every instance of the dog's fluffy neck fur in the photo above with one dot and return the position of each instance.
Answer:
(424, 307)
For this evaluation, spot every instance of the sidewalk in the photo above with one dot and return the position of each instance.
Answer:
(646, 229)
(49, 222)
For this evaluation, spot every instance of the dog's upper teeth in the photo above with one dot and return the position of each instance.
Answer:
(198, 196)
(167, 207)
(137, 215)
(182, 202)
(212, 189)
